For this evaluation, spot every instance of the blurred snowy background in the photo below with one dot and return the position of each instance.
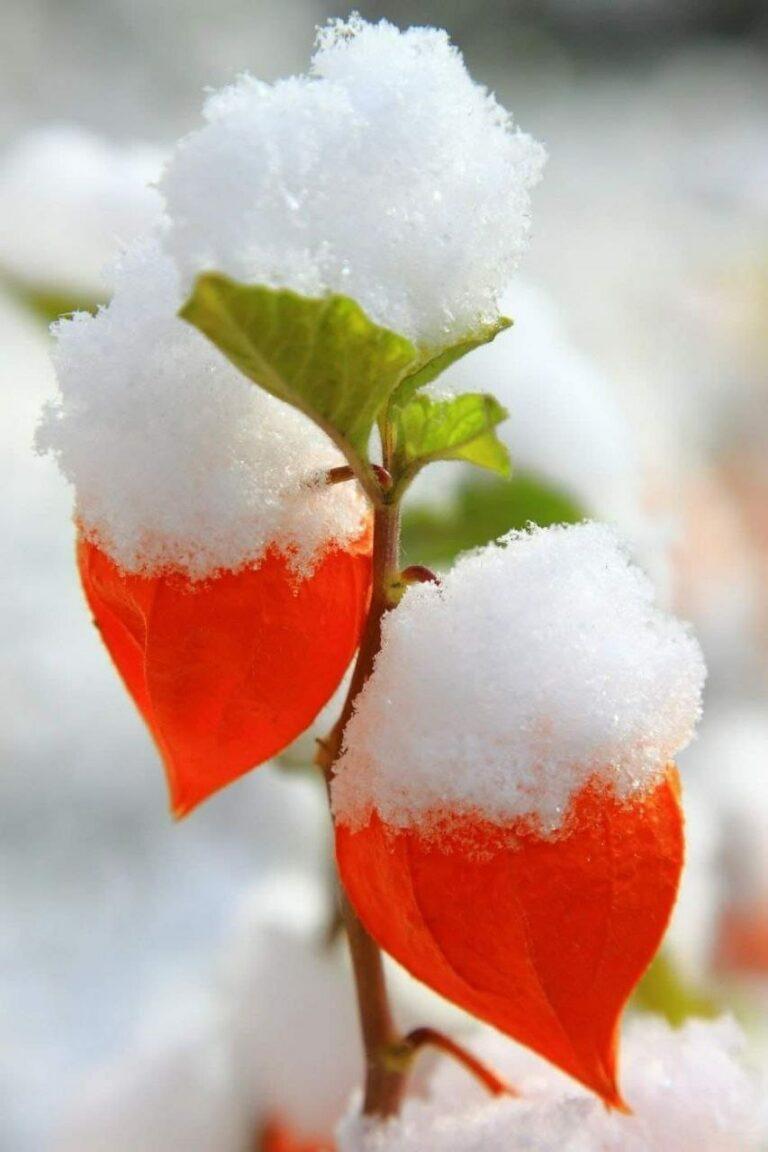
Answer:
(637, 378)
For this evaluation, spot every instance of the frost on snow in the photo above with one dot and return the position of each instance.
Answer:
(539, 663)
(385, 174)
(178, 462)
(68, 200)
(689, 1090)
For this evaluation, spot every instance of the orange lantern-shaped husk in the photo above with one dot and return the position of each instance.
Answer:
(542, 937)
(228, 671)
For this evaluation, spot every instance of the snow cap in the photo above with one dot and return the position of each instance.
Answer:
(385, 174)
(539, 663)
(178, 461)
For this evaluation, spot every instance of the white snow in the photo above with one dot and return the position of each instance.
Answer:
(729, 765)
(177, 460)
(272, 1035)
(690, 1091)
(274, 1038)
(290, 1009)
(569, 425)
(540, 661)
(565, 422)
(175, 1090)
(68, 201)
(385, 173)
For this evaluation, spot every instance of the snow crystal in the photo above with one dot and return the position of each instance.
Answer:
(385, 174)
(689, 1090)
(539, 662)
(67, 201)
(177, 460)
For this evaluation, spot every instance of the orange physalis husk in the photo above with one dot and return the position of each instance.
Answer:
(276, 1137)
(228, 671)
(542, 937)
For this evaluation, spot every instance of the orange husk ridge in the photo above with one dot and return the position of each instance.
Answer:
(542, 937)
(228, 671)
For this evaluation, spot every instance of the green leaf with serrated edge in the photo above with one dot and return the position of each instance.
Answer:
(436, 363)
(456, 428)
(324, 356)
(482, 510)
(664, 991)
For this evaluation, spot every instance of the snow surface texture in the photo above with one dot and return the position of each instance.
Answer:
(689, 1090)
(179, 462)
(68, 200)
(539, 662)
(385, 174)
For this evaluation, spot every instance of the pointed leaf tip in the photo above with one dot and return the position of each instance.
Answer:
(433, 363)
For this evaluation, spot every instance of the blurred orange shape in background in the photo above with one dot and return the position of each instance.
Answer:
(276, 1137)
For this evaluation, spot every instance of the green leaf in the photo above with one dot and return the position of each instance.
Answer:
(457, 428)
(664, 991)
(46, 302)
(434, 363)
(482, 510)
(323, 356)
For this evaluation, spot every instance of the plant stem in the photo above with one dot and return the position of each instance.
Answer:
(424, 1037)
(383, 1084)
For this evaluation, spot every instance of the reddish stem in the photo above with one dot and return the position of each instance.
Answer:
(430, 1037)
(339, 475)
(344, 472)
(383, 1084)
